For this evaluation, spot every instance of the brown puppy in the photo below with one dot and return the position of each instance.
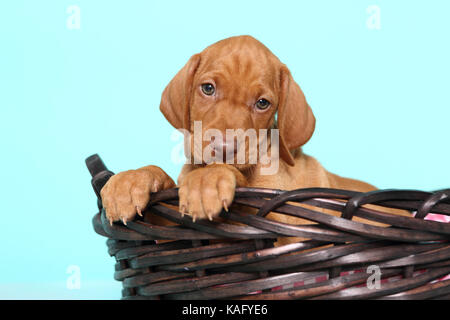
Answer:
(236, 83)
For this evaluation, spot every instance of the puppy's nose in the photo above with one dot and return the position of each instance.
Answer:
(228, 148)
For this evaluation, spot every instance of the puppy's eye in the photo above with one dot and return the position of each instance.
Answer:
(208, 89)
(262, 104)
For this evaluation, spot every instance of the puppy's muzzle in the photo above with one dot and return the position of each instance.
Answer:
(221, 148)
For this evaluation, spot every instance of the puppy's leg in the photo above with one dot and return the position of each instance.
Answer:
(128, 192)
(203, 192)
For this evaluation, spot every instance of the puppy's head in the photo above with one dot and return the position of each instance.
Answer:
(237, 85)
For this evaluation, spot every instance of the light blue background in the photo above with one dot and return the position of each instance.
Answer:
(380, 98)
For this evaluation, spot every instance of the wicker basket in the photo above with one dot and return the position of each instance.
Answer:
(336, 263)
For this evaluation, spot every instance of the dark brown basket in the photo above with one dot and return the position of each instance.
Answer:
(412, 254)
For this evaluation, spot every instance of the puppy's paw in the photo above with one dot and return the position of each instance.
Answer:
(128, 192)
(205, 191)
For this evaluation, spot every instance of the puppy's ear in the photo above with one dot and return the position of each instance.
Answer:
(296, 120)
(176, 96)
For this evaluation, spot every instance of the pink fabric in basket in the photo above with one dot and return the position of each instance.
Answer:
(440, 218)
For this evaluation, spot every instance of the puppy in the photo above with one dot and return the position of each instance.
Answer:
(237, 84)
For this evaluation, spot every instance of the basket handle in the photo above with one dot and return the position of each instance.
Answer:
(99, 172)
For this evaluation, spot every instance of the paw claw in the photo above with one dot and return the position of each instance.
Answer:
(224, 202)
(139, 212)
(183, 210)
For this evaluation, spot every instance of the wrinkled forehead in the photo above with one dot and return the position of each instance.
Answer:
(246, 62)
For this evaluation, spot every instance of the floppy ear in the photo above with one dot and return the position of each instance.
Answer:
(176, 96)
(296, 120)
